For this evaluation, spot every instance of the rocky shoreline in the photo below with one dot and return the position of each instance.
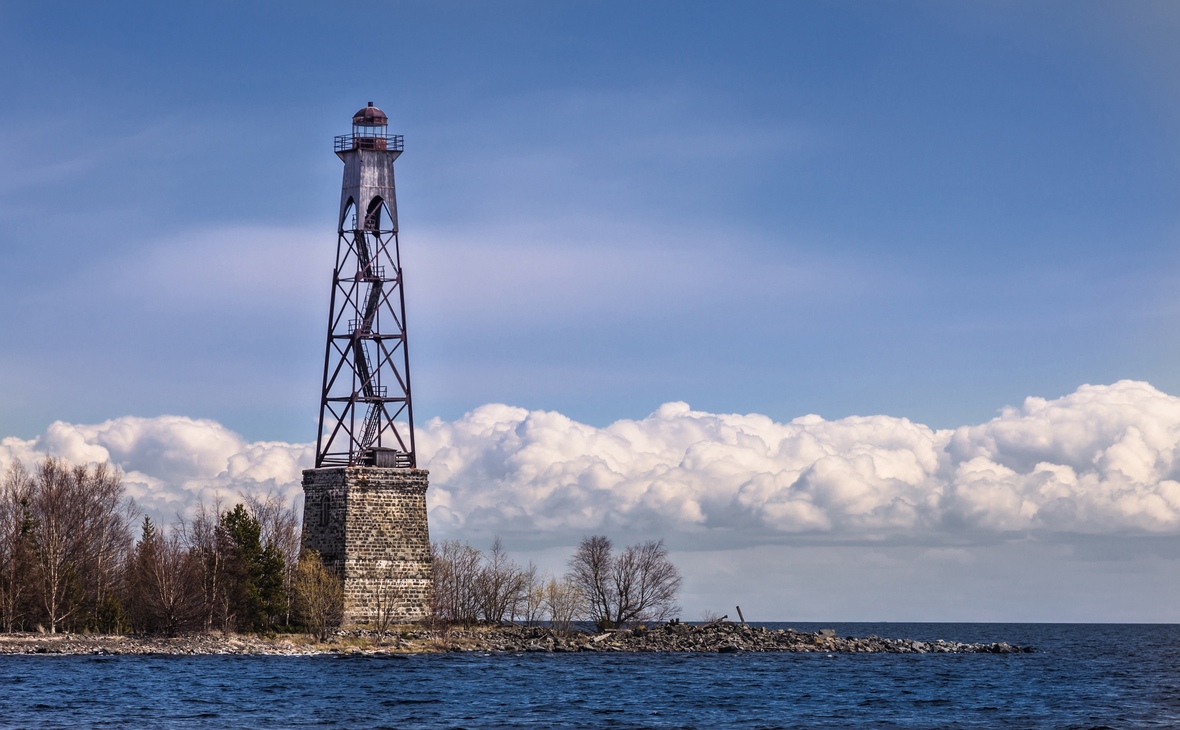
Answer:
(721, 638)
(713, 638)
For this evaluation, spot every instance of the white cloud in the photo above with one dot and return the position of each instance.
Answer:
(171, 462)
(1101, 460)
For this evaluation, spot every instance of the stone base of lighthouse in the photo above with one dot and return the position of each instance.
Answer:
(369, 526)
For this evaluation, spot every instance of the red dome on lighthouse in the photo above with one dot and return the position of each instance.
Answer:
(370, 116)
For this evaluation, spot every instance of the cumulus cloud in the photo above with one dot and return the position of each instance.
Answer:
(170, 463)
(1101, 460)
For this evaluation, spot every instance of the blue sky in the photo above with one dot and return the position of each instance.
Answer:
(920, 209)
(924, 210)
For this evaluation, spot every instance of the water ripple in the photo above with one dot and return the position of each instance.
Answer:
(1080, 677)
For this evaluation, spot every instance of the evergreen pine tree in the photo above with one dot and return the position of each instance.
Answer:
(256, 571)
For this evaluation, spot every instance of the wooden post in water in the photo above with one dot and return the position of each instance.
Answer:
(743, 618)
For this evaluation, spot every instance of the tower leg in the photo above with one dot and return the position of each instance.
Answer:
(369, 526)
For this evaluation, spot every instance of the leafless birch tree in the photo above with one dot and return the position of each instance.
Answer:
(57, 523)
(15, 545)
(202, 536)
(80, 535)
(106, 543)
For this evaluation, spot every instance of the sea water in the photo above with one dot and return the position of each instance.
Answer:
(1081, 676)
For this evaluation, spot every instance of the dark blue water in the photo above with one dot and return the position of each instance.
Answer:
(1118, 676)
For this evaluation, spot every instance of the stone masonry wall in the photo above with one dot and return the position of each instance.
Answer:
(369, 526)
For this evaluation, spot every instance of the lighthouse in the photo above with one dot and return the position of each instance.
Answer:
(364, 507)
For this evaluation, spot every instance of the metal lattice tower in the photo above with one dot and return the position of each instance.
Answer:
(366, 387)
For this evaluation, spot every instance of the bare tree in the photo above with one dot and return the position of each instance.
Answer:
(203, 537)
(641, 584)
(106, 543)
(562, 601)
(57, 523)
(165, 579)
(500, 586)
(646, 584)
(319, 595)
(531, 606)
(15, 544)
(389, 602)
(591, 570)
(456, 567)
(81, 537)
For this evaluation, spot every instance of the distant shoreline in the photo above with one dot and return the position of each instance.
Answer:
(721, 638)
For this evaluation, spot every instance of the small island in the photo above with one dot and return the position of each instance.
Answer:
(239, 581)
(720, 637)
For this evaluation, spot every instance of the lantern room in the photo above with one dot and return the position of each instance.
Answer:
(370, 131)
